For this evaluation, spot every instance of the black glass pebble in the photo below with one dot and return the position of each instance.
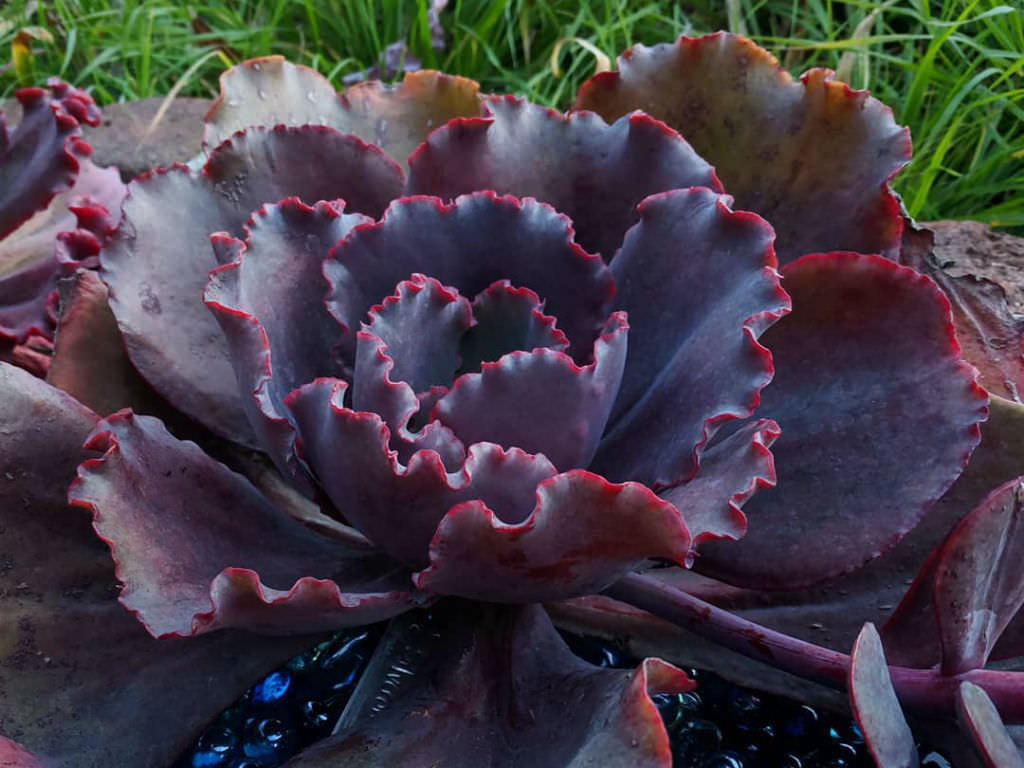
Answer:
(717, 725)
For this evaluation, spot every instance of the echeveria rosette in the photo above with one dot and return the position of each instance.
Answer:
(46, 181)
(486, 408)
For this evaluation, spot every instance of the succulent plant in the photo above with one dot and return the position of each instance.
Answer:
(496, 356)
(46, 181)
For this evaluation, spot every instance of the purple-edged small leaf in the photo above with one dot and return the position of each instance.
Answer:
(157, 264)
(29, 266)
(198, 548)
(875, 705)
(912, 634)
(583, 535)
(406, 357)
(813, 157)
(268, 300)
(421, 325)
(482, 685)
(398, 506)
(89, 361)
(980, 718)
(469, 244)
(699, 283)
(731, 470)
(868, 358)
(594, 172)
(83, 682)
(508, 318)
(41, 158)
(269, 91)
(978, 584)
(541, 401)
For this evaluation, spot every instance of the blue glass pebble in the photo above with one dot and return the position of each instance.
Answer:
(273, 688)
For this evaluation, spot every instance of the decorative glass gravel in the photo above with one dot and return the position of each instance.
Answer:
(717, 725)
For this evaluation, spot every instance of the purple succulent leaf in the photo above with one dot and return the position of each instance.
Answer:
(496, 686)
(41, 158)
(406, 356)
(81, 664)
(971, 582)
(398, 506)
(541, 401)
(912, 634)
(13, 755)
(813, 157)
(33, 354)
(198, 548)
(268, 299)
(29, 266)
(867, 358)
(89, 361)
(875, 706)
(594, 172)
(831, 614)
(699, 283)
(271, 91)
(469, 244)
(508, 318)
(980, 718)
(583, 534)
(263, 165)
(731, 470)
(396, 403)
(421, 325)
(157, 263)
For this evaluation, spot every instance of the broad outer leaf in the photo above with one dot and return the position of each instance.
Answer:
(486, 686)
(583, 534)
(593, 172)
(699, 283)
(875, 705)
(868, 358)
(157, 263)
(979, 717)
(813, 157)
(400, 504)
(83, 682)
(832, 614)
(541, 401)
(268, 300)
(468, 244)
(198, 548)
(269, 91)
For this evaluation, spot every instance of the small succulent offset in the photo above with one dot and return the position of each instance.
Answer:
(497, 356)
(46, 181)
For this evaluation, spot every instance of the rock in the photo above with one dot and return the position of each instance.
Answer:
(972, 248)
(122, 138)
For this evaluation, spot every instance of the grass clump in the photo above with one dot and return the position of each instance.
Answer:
(951, 70)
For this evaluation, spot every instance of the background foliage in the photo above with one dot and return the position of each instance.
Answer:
(951, 70)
